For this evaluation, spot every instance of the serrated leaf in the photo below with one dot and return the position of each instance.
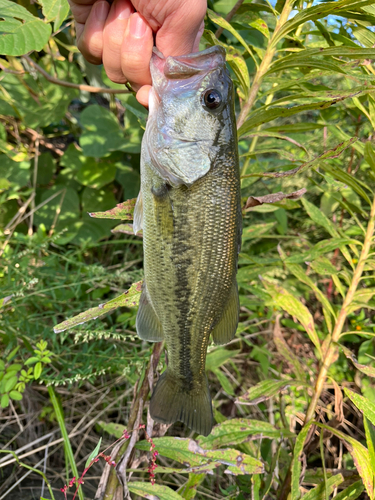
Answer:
(94, 453)
(188, 452)
(55, 10)
(368, 370)
(331, 153)
(266, 389)
(122, 211)
(127, 299)
(293, 306)
(21, 32)
(237, 430)
(153, 491)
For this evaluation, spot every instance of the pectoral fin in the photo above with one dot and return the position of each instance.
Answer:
(147, 323)
(225, 330)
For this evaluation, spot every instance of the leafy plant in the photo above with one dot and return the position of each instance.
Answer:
(294, 390)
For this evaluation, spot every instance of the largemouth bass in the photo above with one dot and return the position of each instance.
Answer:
(189, 209)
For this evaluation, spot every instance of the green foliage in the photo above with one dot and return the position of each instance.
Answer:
(69, 167)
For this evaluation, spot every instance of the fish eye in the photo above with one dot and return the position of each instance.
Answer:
(212, 98)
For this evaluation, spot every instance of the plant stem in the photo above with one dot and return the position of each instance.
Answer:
(265, 64)
(229, 16)
(332, 350)
(114, 488)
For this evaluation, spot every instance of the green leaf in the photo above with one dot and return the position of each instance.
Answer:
(224, 382)
(323, 266)
(18, 173)
(351, 492)
(266, 389)
(17, 396)
(10, 383)
(4, 401)
(189, 490)
(151, 491)
(127, 299)
(366, 406)
(21, 32)
(187, 451)
(37, 370)
(237, 430)
(296, 462)
(285, 351)
(31, 360)
(113, 429)
(319, 217)
(347, 179)
(55, 10)
(360, 455)
(293, 306)
(102, 133)
(260, 25)
(316, 12)
(93, 454)
(218, 357)
(257, 230)
(96, 173)
(370, 440)
(215, 18)
(370, 155)
(122, 211)
(319, 492)
(368, 370)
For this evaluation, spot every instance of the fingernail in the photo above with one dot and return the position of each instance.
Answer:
(137, 26)
(123, 11)
(102, 9)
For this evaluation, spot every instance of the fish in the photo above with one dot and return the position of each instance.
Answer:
(189, 208)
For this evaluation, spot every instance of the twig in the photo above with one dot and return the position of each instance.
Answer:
(229, 17)
(113, 484)
(79, 86)
(35, 175)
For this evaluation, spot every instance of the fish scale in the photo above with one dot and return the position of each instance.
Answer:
(190, 202)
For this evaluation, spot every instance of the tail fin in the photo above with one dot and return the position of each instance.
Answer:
(170, 403)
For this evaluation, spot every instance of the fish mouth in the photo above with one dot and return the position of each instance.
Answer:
(183, 67)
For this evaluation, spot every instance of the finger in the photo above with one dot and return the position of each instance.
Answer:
(178, 34)
(81, 9)
(136, 51)
(90, 41)
(142, 95)
(113, 35)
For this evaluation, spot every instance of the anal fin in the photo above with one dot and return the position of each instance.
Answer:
(225, 329)
(147, 323)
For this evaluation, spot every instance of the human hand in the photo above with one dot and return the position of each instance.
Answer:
(122, 39)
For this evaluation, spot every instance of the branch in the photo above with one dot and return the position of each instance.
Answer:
(114, 486)
(87, 88)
